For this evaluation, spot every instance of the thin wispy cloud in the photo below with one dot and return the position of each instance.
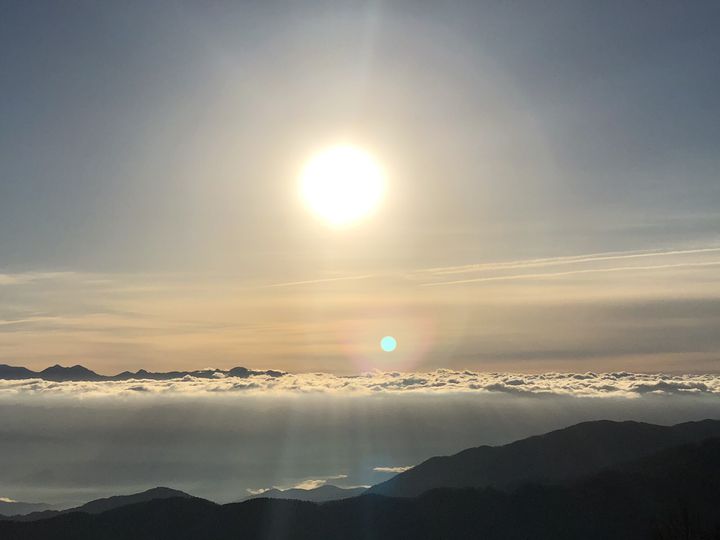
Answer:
(22, 278)
(422, 275)
(544, 275)
(156, 321)
(571, 259)
(316, 281)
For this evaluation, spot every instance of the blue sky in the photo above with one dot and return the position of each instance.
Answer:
(149, 155)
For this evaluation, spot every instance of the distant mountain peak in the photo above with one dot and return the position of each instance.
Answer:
(72, 373)
(163, 491)
(78, 372)
(19, 508)
(76, 367)
(324, 493)
(586, 448)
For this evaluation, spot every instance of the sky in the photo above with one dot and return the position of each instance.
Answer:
(546, 251)
(551, 205)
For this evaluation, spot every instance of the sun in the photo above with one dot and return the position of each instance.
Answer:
(342, 184)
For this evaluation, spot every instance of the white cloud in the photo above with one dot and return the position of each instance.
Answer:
(307, 484)
(615, 384)
(393, 470)
(310, 484)
(259, 491)
(314, 483)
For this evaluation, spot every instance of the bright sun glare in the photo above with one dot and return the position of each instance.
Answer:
(342, 184)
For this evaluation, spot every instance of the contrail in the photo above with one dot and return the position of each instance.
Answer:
(570, 273)
(312, 281)
(525, 263)
(574, 259)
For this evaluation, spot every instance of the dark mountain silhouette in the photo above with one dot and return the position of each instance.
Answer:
(60, 373)
(74, 373)
(17, 508)
(558, 456)
(320, 494)
(671, 494)
(15, 372)
(103, 505)
(244, 372)
(142, 374)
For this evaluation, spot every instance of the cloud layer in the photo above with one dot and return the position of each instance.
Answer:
(392, 470)
(213, 439)
(616, 384)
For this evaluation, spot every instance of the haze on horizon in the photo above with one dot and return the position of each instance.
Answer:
(450, 224)
(551, 201)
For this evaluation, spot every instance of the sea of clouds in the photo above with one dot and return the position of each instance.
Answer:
(615, 384)
(227, 437)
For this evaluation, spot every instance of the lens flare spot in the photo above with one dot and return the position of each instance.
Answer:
(388, 344)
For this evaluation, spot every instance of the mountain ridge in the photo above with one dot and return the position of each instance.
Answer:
(19, 508)
(59, 373)
(671, 494)
(555, 457)
(324, 493)
(104, 504)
